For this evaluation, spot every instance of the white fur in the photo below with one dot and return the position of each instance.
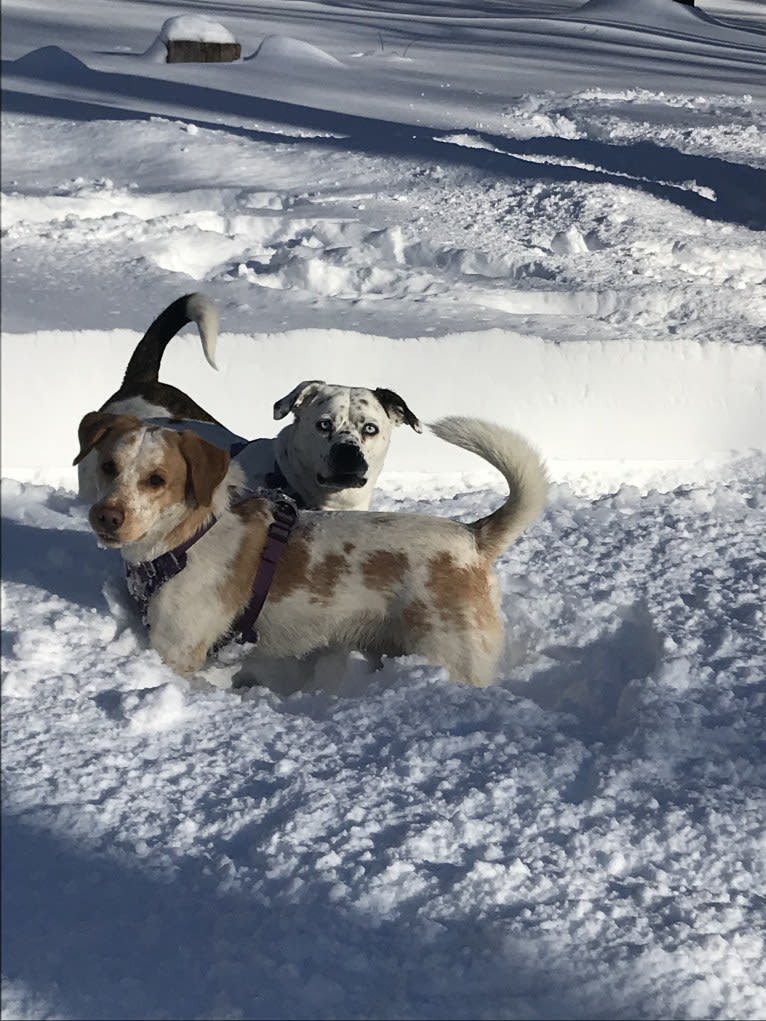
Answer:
(203, 312)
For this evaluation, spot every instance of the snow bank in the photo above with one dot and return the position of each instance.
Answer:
(631, 402)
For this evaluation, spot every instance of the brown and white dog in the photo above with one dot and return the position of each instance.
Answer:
(328, 458)
(383, 584)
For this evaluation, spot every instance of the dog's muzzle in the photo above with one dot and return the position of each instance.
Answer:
(348, 468)
(106, 520)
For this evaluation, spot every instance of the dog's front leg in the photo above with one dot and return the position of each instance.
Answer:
(177, 643)
(183, 659)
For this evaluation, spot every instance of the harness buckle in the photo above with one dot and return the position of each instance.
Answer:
(247, 635)
(285, 515)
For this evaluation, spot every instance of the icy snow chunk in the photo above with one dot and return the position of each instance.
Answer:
(158, 709)
(569, 242)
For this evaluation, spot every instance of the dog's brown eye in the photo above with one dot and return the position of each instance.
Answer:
(156, 481)
(109, 468)
(324, 425)
(370, 429)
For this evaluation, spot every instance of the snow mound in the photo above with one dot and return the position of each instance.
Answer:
(277, 49)
(50, 62)
(655, 13)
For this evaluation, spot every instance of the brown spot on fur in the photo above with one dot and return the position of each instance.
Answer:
(348, 547)
(325, 575)
(235, 586)
(292, 569)
(462, 595)
(416, 618)
(252, 509)
(383, 569)
(296, 572)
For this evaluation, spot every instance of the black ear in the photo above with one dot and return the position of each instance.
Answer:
(397, 410)
(296, 397)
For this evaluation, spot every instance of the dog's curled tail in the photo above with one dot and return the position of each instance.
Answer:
(144, 365)
(521, 467)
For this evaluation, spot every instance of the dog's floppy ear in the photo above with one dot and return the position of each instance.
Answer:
(397, 410)
(302, 392)
(94, 427)
(206, 463)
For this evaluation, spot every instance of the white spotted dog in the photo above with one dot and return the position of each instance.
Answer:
(333, 452)
(384, 584)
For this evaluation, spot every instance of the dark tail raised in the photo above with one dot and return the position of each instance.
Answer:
(144, 365)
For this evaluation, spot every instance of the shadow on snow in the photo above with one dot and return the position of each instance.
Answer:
(665, 173)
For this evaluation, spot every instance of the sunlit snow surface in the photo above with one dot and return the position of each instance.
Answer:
(548, 216)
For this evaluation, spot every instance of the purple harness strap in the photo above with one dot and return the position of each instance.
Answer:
(285, 516)
(144, 579)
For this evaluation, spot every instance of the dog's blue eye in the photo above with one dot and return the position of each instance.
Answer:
(370, 429)
(155, 481)
(109, 468)
(324, 425)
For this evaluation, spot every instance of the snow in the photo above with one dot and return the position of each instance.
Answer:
(195, 28)
(548, 214)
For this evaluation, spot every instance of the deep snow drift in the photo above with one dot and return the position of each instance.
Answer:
(547, 214)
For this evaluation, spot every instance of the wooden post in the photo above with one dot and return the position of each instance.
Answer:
(190, 51)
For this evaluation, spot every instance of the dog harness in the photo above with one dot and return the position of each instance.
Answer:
(147, 577)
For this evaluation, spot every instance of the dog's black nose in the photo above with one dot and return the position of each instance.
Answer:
(347, 459)
(110, 517)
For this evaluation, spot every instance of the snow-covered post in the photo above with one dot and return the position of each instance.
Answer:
(196, 38)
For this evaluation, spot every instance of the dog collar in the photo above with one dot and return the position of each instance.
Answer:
(275, 479)
(147, 577)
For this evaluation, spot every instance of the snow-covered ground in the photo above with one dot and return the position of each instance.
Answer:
(549, 214)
